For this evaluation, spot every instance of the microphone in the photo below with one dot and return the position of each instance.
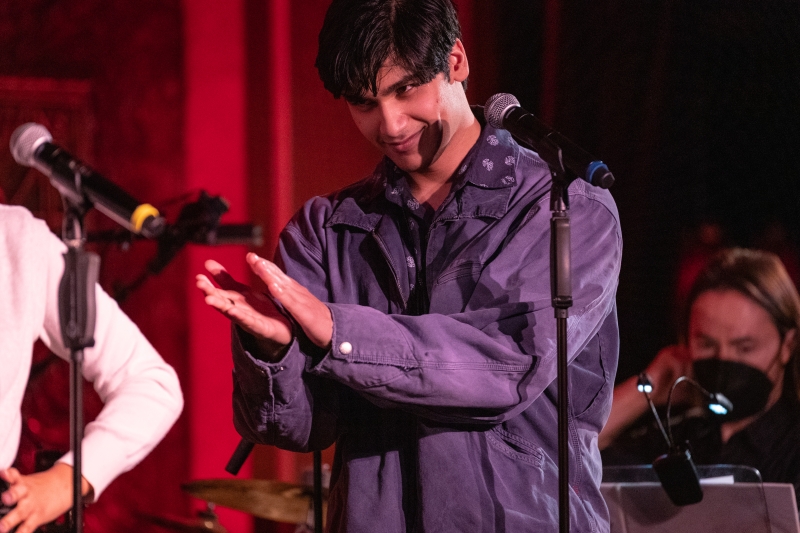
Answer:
(31, 145)
(503, 111)
(676, 469)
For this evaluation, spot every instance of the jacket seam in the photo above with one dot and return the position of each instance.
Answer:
(316, 253)
(377, 359)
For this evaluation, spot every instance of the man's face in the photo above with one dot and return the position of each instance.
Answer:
(730, 326)
(411, 123)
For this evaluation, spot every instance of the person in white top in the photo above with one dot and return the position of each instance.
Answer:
(141, 393)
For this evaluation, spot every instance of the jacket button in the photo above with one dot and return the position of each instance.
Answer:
(345, 348)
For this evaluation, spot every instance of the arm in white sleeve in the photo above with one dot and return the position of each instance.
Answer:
(141, 393)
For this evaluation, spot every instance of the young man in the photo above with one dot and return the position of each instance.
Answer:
(409, 316)
(141, 392)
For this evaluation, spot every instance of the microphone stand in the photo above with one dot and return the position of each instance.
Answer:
(77, 309)
(561, 293)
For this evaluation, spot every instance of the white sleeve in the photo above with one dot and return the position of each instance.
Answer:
(141, 394)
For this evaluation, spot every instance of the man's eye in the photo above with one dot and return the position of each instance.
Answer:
(746, 348)
(362, 105)
(705, 345)
(406, 89)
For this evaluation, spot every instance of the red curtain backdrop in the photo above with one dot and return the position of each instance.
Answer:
(201, 95)
(214, 140)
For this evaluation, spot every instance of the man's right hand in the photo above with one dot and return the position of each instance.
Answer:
(257, 314)
(251, 310)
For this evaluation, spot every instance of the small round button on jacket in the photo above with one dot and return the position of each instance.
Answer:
(345, 348)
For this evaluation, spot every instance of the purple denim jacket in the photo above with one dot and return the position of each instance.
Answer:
(446, 421)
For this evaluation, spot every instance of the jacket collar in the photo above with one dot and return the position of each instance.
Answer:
(482, 186)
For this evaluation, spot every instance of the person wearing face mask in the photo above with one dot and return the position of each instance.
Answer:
(740, 339)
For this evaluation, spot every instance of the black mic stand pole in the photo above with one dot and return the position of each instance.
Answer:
(77, 308)
(561, 292)
(317, 496)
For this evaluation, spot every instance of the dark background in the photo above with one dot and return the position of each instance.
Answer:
(695, 107)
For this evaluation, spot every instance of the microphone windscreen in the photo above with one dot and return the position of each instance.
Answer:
(25, 140)
(497, 106)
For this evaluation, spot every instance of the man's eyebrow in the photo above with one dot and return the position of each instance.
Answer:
(405, 80)
(744, 339)
(367, 97)
(355, 99)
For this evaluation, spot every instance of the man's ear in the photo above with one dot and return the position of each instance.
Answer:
(459, 66)
(788, 345)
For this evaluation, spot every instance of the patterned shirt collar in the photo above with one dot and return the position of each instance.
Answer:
(489, 168)
(490, 164)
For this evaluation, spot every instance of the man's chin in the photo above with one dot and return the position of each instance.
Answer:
(407, 164)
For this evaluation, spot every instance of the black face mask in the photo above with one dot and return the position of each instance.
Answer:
(746, 387)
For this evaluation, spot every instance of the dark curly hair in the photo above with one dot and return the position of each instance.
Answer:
(359, 35)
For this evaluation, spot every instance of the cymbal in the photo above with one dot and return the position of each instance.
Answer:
(202, 524)
(264, 498)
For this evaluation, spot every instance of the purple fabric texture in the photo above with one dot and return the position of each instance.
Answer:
(444, 413)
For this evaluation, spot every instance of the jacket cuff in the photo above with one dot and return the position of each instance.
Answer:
(276, 382)
(367, 348)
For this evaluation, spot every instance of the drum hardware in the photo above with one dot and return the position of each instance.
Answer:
(273, 500)
(206, 522)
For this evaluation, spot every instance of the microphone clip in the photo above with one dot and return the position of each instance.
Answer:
(678, 476)
(675, 469)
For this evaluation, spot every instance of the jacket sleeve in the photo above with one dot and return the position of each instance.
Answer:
(141, 393)
(483, 365)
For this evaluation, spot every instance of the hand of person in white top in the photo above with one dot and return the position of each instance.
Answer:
(39, 498)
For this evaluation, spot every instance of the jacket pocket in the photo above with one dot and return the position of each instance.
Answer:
(515, 447)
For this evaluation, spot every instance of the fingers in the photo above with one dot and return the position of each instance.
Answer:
(223, 278)
(249, 309)
(24, 519)
(220, 299)
(14, 494)
(11, 475)
(16, 490)
(27, 527)
(9, 521)
(215, 297)
(274, 329)
(308, 311)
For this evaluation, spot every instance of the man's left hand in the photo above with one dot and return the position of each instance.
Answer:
(39, 498)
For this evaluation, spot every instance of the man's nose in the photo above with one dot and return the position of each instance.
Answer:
(725, 353)
(393, 121)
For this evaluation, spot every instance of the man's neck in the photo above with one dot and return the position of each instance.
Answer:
(433, 186)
